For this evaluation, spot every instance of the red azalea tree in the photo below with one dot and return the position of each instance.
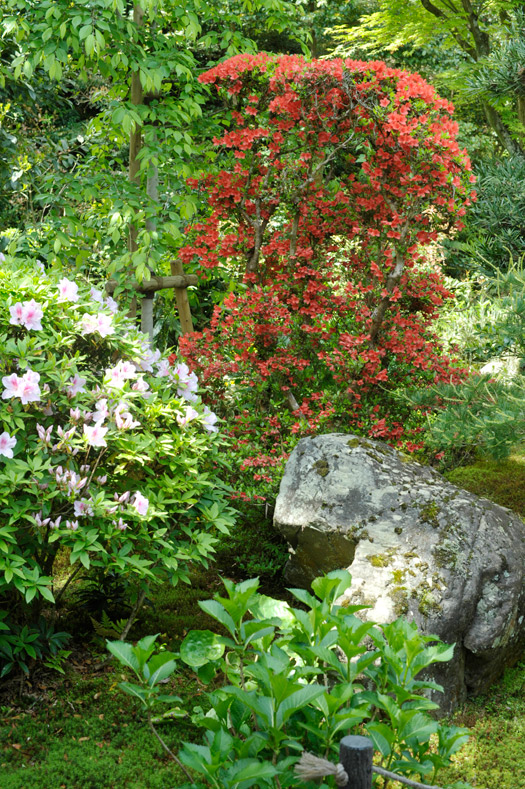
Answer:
(337, 175)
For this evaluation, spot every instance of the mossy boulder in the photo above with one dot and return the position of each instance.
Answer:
(416, 545)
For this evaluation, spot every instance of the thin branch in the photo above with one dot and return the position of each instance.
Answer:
(167, 749)
(401, 778)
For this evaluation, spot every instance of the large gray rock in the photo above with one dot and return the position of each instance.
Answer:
(415, 545)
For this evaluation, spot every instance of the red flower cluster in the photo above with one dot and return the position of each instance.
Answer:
(336, 175)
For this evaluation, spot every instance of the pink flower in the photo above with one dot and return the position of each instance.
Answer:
(209, 420)
(17, 314)
(111, 304)
(29, 390)
(123, 418)
(43, 434)
(38, 519)
(118, 375)
(163, 368)
(83, 507)
(7, 443)
(186, 382)
(102, 480)
(101, 323)
(67, 290)
(13, 386)
(121, 525)
(28, 314)
(96, 295)
(73, 525)
(148, 360)
(102, 411)
(88, 323)
(141, 503)
(189, 414)
(140, 385)
(95, 435)
(76, 385)
(26, 387)
(105, 324)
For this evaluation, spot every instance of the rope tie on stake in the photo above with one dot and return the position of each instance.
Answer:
(310, 767)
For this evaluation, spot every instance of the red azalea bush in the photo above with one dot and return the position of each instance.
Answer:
(336, 175)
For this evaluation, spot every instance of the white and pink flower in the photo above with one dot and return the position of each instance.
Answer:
(141, 504)
(67, 290)
(76, 385)
(209, 420)
(123, 418)
(83, 507)
(25, 387)
(95, 435)
(7, 444)
(28, 314)
(189, 414)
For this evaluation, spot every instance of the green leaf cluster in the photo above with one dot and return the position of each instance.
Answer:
(295, 678)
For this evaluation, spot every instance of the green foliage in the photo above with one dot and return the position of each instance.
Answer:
(107, 467)
(494, 233)
(20, 645)
(80, 186)
(297, 678)
(487, 410)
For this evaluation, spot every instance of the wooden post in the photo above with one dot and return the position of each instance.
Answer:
(183, 304)
(355, 754)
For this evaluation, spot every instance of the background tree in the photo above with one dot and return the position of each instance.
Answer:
(474, 27)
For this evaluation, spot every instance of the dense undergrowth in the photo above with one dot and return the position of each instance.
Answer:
(81, 731)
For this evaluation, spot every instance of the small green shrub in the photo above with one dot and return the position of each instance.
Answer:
(296, 678)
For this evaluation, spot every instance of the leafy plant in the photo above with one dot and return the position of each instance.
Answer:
(300, 678)
(105, 450)
(20, 645)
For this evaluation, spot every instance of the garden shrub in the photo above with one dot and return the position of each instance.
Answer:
(106, 451)
(297, 679)
(334, 177)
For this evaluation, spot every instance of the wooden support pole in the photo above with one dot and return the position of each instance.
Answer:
(156, 283)
(355, 754)
(181, 295)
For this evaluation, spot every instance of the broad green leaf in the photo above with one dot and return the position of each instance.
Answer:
(201, 646)
(218, 612)
(124, 653)
(133, 690)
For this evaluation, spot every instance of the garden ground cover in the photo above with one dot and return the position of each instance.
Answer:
(80, 732)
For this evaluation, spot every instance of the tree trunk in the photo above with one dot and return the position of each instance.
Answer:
(135, 143)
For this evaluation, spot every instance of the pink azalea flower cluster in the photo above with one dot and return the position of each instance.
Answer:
(25, 387)
(28, 314)
(101, 324)
(187, 383)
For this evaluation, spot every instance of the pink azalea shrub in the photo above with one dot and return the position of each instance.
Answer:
(106, 451)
